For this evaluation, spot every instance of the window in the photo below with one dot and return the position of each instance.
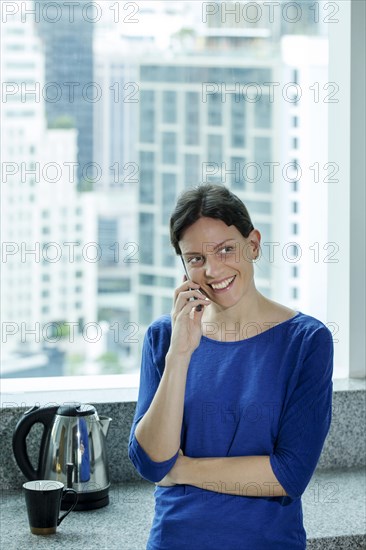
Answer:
(145, 309)
(238, 119)
(192, 173)
(146, 224)
(263, 113)
(166, 304)
(163, 115)
(214, 149)
(169, 187)
(192, 119)
(168, 255)
(262, 158)
(214, 110)
(147, 119)
(258, 207)
(146, 279)
(169, 148)
(236, 172)
(147, 177)
(111, 286)
(108, 234)
(169, 107)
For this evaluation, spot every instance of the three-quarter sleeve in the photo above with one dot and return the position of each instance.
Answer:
(306, 417)
(152, 365)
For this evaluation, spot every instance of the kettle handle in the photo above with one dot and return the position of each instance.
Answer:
(44, 416)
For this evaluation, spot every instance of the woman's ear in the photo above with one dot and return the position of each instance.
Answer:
(255, 243)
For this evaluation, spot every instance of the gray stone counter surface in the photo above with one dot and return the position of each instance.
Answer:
(333, 503)
(345, 446)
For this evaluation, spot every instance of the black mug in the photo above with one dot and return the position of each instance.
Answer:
(43, 499)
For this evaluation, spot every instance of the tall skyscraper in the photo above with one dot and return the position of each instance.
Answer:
(48, 275)
(197, 124)
(239, 110)
(68, 45)
(219, 105)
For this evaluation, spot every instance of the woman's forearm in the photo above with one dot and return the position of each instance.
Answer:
(159, 431)
(242, 475)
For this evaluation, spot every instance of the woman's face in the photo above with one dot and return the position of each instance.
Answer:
(219, 259)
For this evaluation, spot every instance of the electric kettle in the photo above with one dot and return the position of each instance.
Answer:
(72, 450)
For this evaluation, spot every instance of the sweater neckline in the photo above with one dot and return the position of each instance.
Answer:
(251, 338)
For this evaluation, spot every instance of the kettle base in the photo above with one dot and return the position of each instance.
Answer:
(90, 500)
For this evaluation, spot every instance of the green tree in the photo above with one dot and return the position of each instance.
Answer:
(109, 363)
(64, 122)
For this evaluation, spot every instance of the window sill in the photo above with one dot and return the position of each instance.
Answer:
(86, 389)
(349, 384)
(118, 388)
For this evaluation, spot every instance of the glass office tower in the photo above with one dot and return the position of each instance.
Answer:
(68, 46)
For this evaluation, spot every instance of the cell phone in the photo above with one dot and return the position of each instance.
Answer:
(199, 307)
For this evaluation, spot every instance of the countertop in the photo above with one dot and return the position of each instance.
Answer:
(334, 517)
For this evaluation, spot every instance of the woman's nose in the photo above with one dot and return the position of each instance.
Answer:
(213, 266)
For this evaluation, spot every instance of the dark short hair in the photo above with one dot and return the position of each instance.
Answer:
(211, 201)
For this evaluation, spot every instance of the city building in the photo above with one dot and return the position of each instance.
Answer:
(118, 50)
(116, 297)
(219, 105)
(68, 46)
(198, 124)
(239, 108)
(49, 279)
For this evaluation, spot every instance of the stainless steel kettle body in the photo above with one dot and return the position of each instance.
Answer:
(72, 450)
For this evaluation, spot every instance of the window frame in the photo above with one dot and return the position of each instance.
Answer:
(347, 69)
(345, 308)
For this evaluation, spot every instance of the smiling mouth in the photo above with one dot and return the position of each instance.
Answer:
(223, 285)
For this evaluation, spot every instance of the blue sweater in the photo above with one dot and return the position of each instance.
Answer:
(270, 394)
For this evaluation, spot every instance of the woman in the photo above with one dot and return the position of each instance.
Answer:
(235, 394)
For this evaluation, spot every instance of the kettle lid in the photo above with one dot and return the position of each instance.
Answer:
(76, 409)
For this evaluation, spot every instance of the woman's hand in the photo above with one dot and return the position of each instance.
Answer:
(174, 475)
(186, 320)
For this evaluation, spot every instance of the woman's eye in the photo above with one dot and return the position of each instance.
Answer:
(195, 260)
(226, 250)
